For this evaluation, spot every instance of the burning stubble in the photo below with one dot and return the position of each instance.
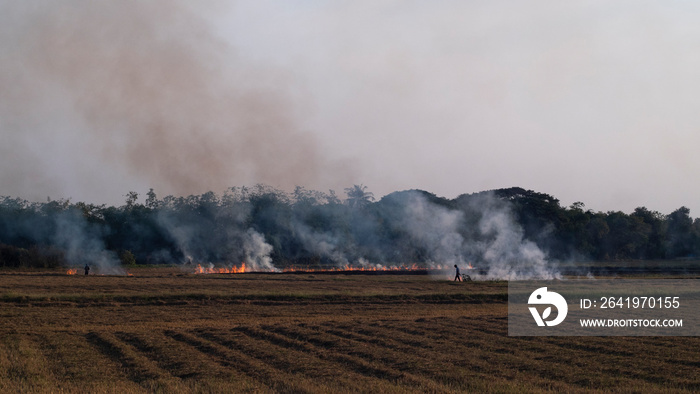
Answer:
(152, 90)
(483, 231)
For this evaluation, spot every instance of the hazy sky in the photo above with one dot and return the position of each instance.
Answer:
(592, 101)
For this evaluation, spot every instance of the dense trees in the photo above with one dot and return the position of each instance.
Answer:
(265, 226)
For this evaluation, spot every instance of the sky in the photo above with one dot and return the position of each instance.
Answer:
(591, 101)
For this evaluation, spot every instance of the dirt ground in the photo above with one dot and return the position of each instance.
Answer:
(164, 330)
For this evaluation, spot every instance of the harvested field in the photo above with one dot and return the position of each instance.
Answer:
(165, 331)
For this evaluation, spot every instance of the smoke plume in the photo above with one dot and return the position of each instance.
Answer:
(82, 243)
(149, 90)
(484, 234)
(502, 247)
(257, 251)
(413, 227)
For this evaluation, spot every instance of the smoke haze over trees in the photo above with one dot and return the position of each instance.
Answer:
(512, 232)
(101, 97)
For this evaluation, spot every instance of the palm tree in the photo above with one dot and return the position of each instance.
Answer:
(358, 196)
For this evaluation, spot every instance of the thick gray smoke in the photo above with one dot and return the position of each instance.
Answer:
(483, 233)
(269, 230)
(83, 245)
(214, 231)
(495, 244)
(321, 243)
(146, 89)
(502, 247)
(257, 252)
(435, 229)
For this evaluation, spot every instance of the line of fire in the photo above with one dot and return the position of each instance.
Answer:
(347, 269)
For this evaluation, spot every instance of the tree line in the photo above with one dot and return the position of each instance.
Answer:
(274, 228)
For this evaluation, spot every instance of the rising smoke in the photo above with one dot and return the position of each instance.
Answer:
(409, 226)
(501, 245)
(82, 244)
(214, 233)
(484, 233)
(147, 89)
(269, 230)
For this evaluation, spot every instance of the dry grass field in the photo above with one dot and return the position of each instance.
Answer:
(166, 331)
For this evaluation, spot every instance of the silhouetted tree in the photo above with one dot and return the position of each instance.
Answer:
(311, 227)
(680, 233)
(655, 247)
(358, 196)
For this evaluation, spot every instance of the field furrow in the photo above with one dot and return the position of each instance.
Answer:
(138, 368)
(178, 333)
(317, 365)
(417, 358)
(487, 350)
(232, 357)
(367, 359)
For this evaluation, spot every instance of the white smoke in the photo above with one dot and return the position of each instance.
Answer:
(182, 234)
(83, 246)
(482, 232)
(502, 249)
(434, 228)
(323, 244)
(196, 238)
(495, 244)
(257, 252)
(507, 254)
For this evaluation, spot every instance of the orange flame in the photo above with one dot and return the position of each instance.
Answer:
(220, 270)
(71, 271)
(237, 270)
(412, 267)
(470, 266)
